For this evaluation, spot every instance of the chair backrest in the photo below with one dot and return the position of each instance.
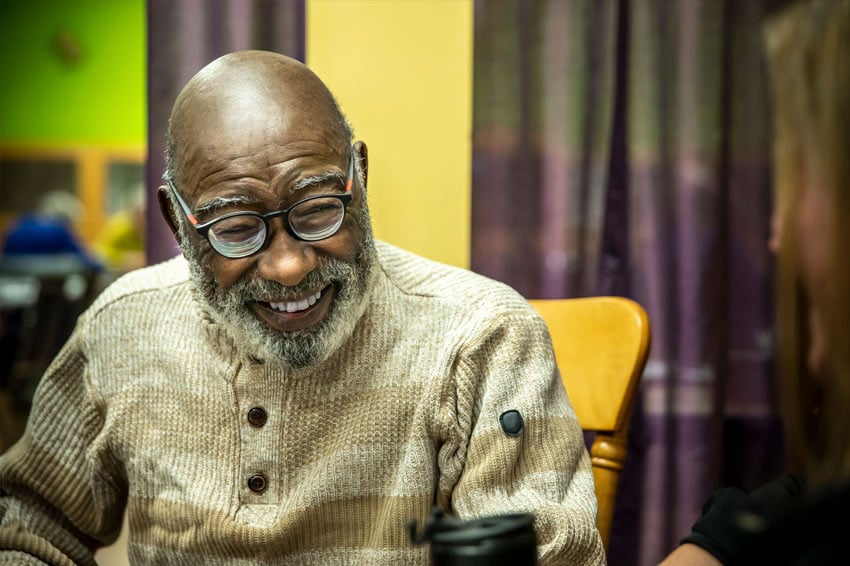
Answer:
(601, 345)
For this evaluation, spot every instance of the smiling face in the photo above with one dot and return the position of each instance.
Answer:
(258, 132)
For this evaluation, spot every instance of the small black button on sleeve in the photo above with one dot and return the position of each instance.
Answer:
(511, 422)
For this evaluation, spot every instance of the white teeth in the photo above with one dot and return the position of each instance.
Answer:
(296, 306)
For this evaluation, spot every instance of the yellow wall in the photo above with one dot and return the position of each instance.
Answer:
(402, 73)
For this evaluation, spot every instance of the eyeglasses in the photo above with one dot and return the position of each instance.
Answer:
(240, 234)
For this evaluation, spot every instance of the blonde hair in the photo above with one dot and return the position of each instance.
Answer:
(808, 48)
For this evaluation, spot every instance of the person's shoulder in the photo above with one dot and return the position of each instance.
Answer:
(415, 275)
(164, 277)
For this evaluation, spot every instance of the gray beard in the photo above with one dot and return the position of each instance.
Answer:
(231, 308)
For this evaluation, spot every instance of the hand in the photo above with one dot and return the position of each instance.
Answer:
(690, 555)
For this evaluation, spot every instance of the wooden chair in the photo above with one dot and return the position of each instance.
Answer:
(601, 345)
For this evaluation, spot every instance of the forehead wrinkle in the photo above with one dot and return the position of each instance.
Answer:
(228, 167)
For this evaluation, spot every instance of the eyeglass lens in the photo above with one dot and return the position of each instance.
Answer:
(311, 220)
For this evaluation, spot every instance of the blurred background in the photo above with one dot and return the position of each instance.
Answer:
(565, 147)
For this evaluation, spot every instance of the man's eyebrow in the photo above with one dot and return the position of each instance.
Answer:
(316, 180)
(219, 203)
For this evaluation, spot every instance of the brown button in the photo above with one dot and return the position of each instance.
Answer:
(257, 416)
(257, 483)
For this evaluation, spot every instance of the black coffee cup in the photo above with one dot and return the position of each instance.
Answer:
(494, 540)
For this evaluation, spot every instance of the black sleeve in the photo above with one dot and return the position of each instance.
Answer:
(730, 516)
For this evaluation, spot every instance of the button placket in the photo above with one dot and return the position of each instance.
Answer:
(255, 396)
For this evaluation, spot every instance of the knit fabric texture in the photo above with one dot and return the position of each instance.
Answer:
(146, 408)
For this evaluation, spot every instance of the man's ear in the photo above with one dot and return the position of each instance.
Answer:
(166, 210)
(362, 155)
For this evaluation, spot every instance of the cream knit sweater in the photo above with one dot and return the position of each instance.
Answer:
(147, 407)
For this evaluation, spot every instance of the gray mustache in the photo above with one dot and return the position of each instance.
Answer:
(258, 289)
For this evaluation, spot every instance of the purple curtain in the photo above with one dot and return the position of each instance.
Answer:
(185, 35)
(622, 147)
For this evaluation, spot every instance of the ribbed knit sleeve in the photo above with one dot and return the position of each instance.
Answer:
(544, 468)
(61, 496)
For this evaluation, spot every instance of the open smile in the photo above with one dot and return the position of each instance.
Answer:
(297, 306)
(299, 314)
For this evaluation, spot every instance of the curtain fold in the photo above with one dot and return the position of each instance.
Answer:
(622, 147)
(541, 122)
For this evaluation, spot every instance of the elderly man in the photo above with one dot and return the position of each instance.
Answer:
(290, 390)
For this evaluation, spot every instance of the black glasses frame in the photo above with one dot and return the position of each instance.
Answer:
(204, 229)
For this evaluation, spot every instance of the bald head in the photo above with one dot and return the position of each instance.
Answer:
(246, 100)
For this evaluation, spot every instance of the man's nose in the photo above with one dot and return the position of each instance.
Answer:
(286, 260)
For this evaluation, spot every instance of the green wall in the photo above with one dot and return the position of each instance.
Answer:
(45, 98)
